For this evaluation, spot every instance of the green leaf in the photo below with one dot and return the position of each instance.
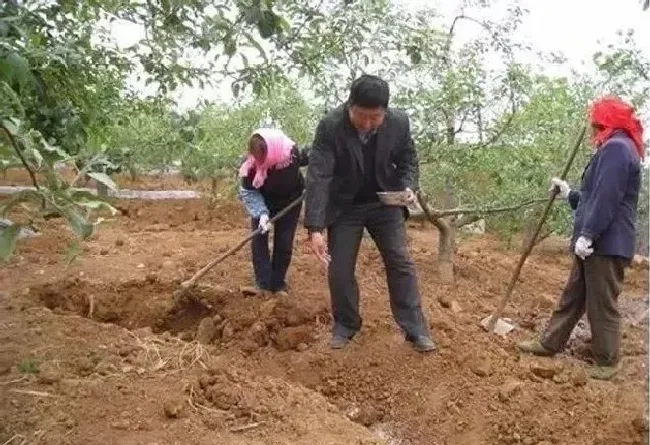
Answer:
(229, 47)
(12, 125)
(104, 179)
(78, 224)
(14, 70)
(35, 155)
(97, 205)
(73, 251)
(8, 238)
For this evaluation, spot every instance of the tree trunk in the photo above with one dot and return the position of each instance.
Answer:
(446, 249)
(451, 129)
(133, 172)
(447, 237)
(213, 192)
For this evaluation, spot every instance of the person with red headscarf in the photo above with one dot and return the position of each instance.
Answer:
(603, 237)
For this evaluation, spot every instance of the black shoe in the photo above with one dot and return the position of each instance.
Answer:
(339, 342)
(422, 344)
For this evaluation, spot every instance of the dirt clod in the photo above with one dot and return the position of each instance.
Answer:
(49, 374)
(508, 391)
(259, 334)
(546, 369)
(172, 409)
(579, 377)
(291, 337)
(366, 415)
(227, 332)
(121, 424)
(480, 367)
(267, 308)
(445, 300)
(206, 331)
(640, 424)
(84, 366)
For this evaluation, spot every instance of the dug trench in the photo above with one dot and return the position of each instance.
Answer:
(209, 314)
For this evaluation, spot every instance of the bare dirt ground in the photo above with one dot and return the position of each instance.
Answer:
(104, 352)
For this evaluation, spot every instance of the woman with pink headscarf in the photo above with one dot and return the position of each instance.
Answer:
(270, 181)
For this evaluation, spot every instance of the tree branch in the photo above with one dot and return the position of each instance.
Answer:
(505, 126)
(19, 152)
(465, 220)
(462, 122)
(439, 223)
(437, 213)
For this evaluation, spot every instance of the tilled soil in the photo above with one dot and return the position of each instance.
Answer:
(106, 350)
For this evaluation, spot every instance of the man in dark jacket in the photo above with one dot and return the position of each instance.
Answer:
(361, 148)
(603, 237)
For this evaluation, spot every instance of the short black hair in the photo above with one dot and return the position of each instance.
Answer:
(369, 91)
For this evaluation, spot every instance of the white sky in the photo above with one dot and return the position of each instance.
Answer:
(571, 27)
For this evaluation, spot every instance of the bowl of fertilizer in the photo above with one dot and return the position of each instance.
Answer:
(394, 198)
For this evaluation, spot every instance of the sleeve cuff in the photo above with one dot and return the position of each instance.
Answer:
(587, 234)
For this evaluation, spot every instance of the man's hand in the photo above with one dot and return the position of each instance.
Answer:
(319, 247)
(562, 186)
(264, 224)
(410, 197)
(583, 247)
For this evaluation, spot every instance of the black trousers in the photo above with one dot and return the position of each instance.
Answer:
(271, 268)
(386, 227)
(593, 286)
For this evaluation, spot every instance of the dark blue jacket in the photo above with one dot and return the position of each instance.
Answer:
(607, 201)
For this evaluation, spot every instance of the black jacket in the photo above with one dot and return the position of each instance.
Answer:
(281, 186)
(335, 172)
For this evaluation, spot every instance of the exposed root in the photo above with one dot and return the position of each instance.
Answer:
(13, 438)
(31, 392)
(197, 407)
(247, 427)
(91, 306)
(171, 354)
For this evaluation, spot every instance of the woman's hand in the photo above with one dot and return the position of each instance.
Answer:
(264, 224)
(562, 187)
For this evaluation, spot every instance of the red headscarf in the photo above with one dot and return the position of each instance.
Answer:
(612, 114)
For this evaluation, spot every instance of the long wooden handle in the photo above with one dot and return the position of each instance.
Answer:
(242, 243)
(513, 281)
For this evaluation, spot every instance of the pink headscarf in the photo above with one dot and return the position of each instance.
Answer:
(278, 155)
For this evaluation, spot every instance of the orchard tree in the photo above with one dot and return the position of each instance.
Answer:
(61, 74)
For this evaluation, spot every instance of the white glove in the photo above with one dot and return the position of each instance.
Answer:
(583, 247)
(264, 224)
(562, 185)
(410, 198)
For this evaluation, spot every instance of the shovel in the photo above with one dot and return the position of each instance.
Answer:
(502, 326)
(192, 281)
